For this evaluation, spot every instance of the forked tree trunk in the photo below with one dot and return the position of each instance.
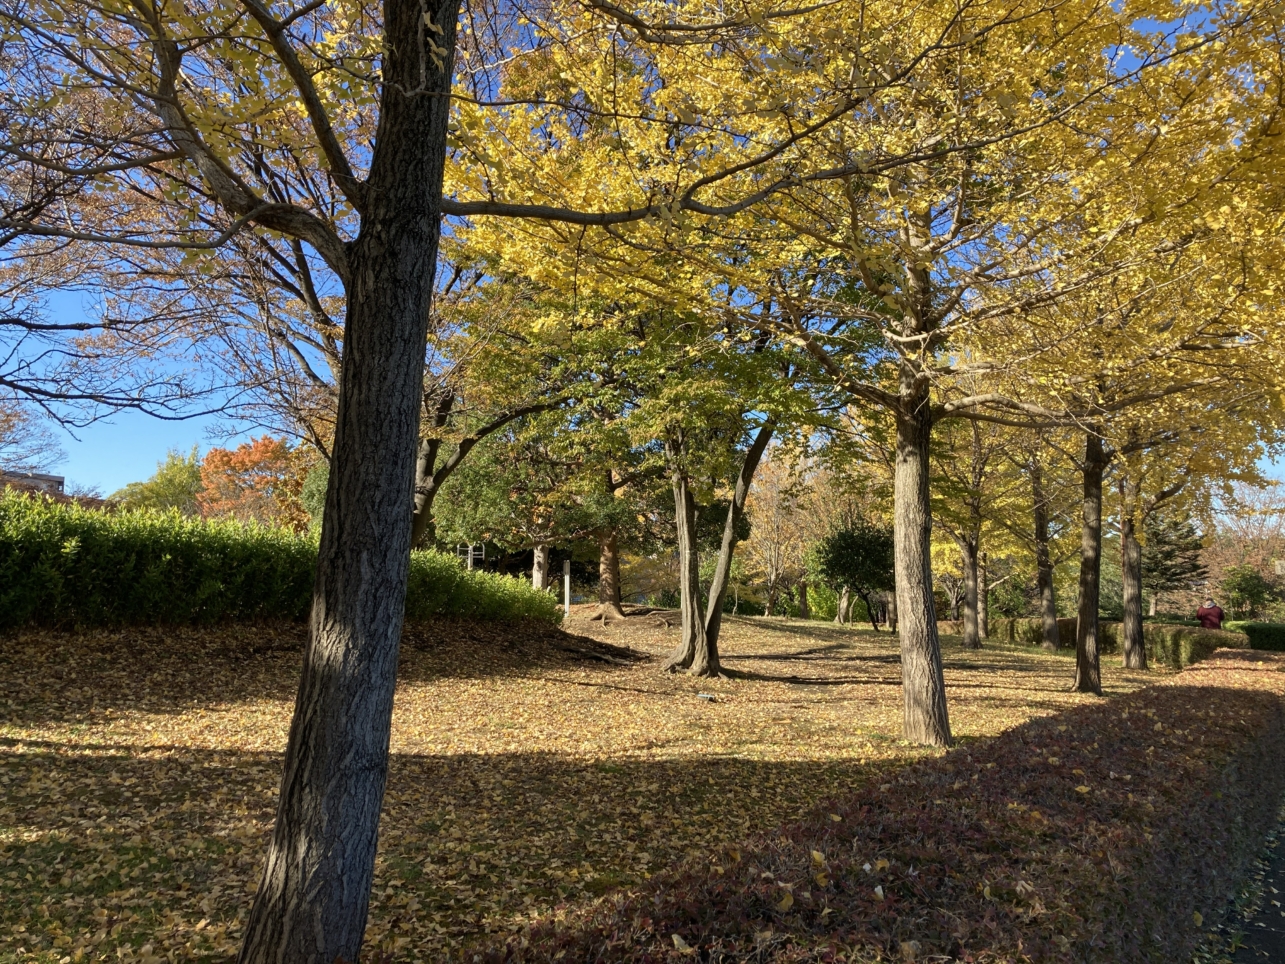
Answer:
(968, 561)
(540, 568)
(694, 652)
(735, 512)
(608, 576)
(983, 598)
(1135, 650)
(1088, 670)
(843, 606)
(312, 900)
(925, 718)
(1043, 559)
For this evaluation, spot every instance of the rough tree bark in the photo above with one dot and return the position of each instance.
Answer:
(1043, 558)
(608, 577)
(693, 652)
(735, 512)
(1088, 670)
(1135, 650)
(312, 900)
(540, 568)
(968, 562)
(1134, 512)
(983, 598)
(803, 600)
(843, 606)
(925, 718)
(892, 611)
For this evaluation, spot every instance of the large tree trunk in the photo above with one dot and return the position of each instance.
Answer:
(1131, 568)
(968, 561)
(694, 652)
(312, 900)
(540, 568)
(735, 512)
(1088, 671)
(923, 683)
(1043, 559)
(803, 600)
(843, 606)
(608, 577)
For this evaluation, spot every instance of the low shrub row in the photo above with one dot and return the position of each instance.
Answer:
(1270, 636)
(65, 565)
(1172, 645)
(1108, 833)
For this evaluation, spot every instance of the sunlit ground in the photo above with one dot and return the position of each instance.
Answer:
(138, 771)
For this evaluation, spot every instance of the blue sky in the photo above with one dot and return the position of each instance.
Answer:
(126, 447)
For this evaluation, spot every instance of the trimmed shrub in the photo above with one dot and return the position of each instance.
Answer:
(1175, 646)
(68, 566)
(1265, 635)
(1106, 833)
(1170, 645)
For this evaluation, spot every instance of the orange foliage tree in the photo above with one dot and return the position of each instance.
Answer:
(261, 480)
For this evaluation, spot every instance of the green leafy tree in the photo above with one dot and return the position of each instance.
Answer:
(1170, 556)
(860, 559)
(174, 485)
(1246, 592)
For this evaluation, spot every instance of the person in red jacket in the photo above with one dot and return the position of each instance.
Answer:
(1210, 615)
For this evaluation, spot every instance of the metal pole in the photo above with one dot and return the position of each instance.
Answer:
(566, 586)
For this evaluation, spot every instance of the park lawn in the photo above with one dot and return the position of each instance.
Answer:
(533, 771)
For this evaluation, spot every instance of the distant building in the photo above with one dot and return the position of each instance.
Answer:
(53, 484)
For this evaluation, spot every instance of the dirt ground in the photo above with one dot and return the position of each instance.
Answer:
(533, 770)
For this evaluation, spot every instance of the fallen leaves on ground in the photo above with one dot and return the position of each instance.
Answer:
(535, 775)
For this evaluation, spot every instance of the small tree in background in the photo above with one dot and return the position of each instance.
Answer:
(261, 480)
(1170, 556)
(858, 558)
(175, 485)
(1245, 592)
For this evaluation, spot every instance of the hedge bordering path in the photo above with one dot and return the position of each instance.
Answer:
(1105, 833)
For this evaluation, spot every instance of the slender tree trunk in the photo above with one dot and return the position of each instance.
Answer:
(983, 598)
(608, 577)
(1135, 650)
(968, 561)
(892, 611)
(871, 609)
(773, 590)
(312, 900)
(540, 568)
(1043, 559)
(1155, 602)
(735, 512)
(843, 605)
(1088, 670)
(694, 652)
(923, 683)
(803, 600)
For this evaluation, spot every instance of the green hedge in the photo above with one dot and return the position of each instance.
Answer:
(1170, 645)
(1262, 635)
(67, 566)
(1174, 646)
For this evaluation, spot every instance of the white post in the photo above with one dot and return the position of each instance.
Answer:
(566, 587)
